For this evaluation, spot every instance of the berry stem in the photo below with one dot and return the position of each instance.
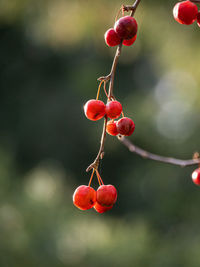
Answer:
(120, 10)
(98, 91)
(99, 177)
(91, 177)
(105, 90)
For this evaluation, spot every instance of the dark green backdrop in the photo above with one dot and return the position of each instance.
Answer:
(52, 53)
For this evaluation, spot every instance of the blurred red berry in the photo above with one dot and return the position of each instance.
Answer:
(113, 109)
(106, 195)
(185, 12)
(198, 19)
(196, 176)
(130, 41)
(94, 109)
(84, 197)
(111, 128)
(126, 27)
(101, 209)
(112, 38)
(125, 126)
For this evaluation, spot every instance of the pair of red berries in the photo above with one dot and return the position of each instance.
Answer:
(186, 12)
(124, 126)
(196, 176)
(125, 31)
(85, 197)
(96, 109)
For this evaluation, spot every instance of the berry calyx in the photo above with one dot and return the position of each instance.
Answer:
(94, 109)
(113, 109)
(111, 128)
(112, 38)
(84, 197)
(101, 209)
(196, 176)
(198, 19)
(125, 126)
(130, 41)
(106, 195)
(185, 12)
(126, 27)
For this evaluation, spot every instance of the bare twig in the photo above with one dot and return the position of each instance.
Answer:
(100, 154)
(113, 70)
(110, 77)
(131, 8)
(148, 155)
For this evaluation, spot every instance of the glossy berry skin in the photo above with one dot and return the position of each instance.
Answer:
(125, 126)
(113, 109)
(196, 176)
(84, 197)
(106, 195)
(95, 109)
(101, 209)
(112, 38)
(126, 27)
(111, 128)
(198, 19)
(185, 12)
(130, 41)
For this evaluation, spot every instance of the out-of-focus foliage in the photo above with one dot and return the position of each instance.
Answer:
(51, 54)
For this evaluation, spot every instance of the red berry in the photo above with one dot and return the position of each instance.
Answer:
(84, 197)
(111, 128)
(130, 41)
(125, 126)
(113, 109)
(126, 27)
(196, 176)
(101, 209)
(185, 12)
(94, 109)
(198, 19)
(106, 195)
(112, 38)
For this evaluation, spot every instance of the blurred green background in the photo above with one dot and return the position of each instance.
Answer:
(52, 53)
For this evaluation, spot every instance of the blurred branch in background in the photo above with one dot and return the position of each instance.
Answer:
(148, 155)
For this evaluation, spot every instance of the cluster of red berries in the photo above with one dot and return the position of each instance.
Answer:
(85, 197)
(125, 31)
(186, 12)
(96, 109)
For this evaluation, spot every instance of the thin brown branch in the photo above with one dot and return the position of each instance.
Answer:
(100, 154)
(148, 155)
(110, 77)
(131, 8)
(104, 78)
(113, 70)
